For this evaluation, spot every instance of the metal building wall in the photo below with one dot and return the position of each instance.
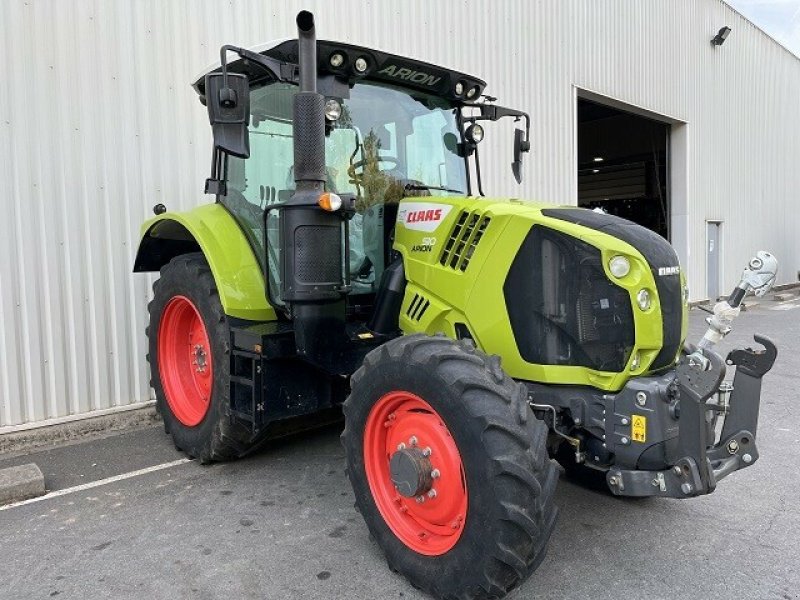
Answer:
(98, 124)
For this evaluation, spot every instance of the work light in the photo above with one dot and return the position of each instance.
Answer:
(333, 110)
(474, 133)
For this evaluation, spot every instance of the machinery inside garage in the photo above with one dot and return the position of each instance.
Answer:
(623, 165)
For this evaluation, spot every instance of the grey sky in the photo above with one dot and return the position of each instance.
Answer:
(779, 18)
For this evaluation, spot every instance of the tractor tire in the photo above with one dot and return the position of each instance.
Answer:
(477, 524)
(189, 356)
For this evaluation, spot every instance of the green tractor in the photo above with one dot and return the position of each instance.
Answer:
(351, 262)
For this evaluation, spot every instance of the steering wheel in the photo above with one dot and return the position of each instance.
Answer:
(358, 178)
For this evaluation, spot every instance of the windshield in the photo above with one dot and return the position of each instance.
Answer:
(387, 144)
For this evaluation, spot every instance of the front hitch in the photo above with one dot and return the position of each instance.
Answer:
(702, 462)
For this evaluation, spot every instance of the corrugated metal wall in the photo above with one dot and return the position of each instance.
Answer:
(98, 123)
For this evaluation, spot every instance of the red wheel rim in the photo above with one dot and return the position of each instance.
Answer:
(434, 525)
(184, 361)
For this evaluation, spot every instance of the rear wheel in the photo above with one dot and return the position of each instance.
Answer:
(189, 357)
(449, 467)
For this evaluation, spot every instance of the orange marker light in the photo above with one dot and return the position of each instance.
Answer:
(330, 202)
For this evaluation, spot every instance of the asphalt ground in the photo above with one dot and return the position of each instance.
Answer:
(281, 523)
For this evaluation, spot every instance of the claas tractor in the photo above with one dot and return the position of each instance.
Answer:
(351, 263)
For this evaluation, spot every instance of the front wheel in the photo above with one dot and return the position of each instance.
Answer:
(449, 467)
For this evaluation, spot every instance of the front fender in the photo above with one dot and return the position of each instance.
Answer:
(212, 230)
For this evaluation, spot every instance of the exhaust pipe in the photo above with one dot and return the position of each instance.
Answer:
(309, 112)
(312, 280)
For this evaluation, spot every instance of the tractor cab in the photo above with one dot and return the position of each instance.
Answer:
(393, 128)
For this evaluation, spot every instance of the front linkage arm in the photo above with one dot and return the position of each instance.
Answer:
(701, 463)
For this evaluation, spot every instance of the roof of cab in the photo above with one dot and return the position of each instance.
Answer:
(381, 66)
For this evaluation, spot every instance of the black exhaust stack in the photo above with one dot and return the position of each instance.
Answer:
(309, 112)
(312, 282)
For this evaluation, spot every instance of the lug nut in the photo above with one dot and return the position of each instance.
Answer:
(401, 446)
(420, 499)
(412, 441)
(435, 474)
(432, 493)
(427, 452)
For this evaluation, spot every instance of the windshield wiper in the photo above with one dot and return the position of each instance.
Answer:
(425, 186)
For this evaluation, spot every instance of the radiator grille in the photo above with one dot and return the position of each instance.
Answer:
(463, 240)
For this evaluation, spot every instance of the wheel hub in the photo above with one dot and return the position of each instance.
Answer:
(411, 472)
(199, 358)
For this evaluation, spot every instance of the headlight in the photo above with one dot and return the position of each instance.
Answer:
(619, 266)
(643, 299)
(459, 88)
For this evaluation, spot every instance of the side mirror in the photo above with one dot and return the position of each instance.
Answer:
(228, 103)
(520, 145)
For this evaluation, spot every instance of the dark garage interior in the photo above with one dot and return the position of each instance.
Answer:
(623, 165)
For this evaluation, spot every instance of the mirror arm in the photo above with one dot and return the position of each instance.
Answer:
(280, 71)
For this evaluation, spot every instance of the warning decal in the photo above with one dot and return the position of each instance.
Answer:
(638, 428)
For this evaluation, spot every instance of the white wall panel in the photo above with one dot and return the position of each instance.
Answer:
(98, 123)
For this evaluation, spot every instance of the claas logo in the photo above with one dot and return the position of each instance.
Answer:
(421, 216)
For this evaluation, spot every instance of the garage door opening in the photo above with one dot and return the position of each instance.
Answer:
(623, 165)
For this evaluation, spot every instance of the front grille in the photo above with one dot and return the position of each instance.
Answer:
(658, 253)
(463, 240)
(562, 307)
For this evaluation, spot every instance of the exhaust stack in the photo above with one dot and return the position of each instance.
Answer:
(312, 239)
(309, 112)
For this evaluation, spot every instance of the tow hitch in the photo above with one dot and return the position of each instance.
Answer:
(700, 458)
(702, 463)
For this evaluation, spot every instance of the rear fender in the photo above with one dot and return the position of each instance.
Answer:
(211, 230)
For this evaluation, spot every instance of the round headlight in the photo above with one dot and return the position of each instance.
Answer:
(337, 60)
(459, 89)
(474, 133)
(472, 92)
(333, 110)
(361, 64)
(619, 266)
(643, 299)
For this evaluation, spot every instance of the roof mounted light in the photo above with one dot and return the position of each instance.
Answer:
(473, 91)
(361, 64)
(337, 60)
(459, 89)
